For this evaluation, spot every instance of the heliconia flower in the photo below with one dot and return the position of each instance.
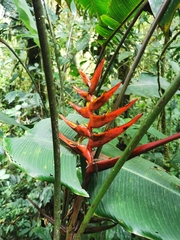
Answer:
(85, 78)
(98, 102)
(96, 76)
(92, 104)
(78, 148)
(83, 111)
(99, 121)
(80, 129)
(100, 139)
(83, 94)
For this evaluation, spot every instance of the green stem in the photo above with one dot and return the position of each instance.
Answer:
(57, 61)
(133, 143)
(38, 9)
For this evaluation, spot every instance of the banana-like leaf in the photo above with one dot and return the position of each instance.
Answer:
(27, 18)
(169, 14)
(147, 86)
(96, 8)
(34, 154)
(143, 198)
(121, 9)
(113, 13)
(110, 13)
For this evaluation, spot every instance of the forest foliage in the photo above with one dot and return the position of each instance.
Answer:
(119, 180)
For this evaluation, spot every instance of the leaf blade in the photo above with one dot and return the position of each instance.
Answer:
(34, 154)
(27, 18)
(143, 198)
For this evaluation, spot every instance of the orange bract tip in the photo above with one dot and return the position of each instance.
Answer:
(82, 130)
(98, 102)
(85, 78)
(83, 111)
(83, 94)
(99, 121)
(96, 76)
(100, 139)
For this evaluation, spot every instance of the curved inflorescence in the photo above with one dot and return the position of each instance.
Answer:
(95, 121)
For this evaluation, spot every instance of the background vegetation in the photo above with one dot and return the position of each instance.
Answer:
(79, 33)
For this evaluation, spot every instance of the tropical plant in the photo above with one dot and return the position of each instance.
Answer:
(100, 188)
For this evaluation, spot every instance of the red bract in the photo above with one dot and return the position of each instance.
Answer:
(78, 148)
(99, 121)
(95, 121)
(82, 130)
(83, 111)
(85, 78)
(100, 139)
(83, 94)
(96, 77)
(98, 102)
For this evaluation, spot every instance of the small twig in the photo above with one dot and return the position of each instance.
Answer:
(51, 220)
(161, 56)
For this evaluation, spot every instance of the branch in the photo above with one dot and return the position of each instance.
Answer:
(57, 60)
(51, 220)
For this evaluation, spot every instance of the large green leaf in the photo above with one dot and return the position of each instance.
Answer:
(143, 198)
(169, 14)
(34, 153)
(147, 86)
(27, 18)
(110, 13)
(121, 9)
(96, 8)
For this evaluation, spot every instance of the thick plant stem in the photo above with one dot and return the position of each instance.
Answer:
(74, 217)
(133, 143)
(38, 9)
(57, 60)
